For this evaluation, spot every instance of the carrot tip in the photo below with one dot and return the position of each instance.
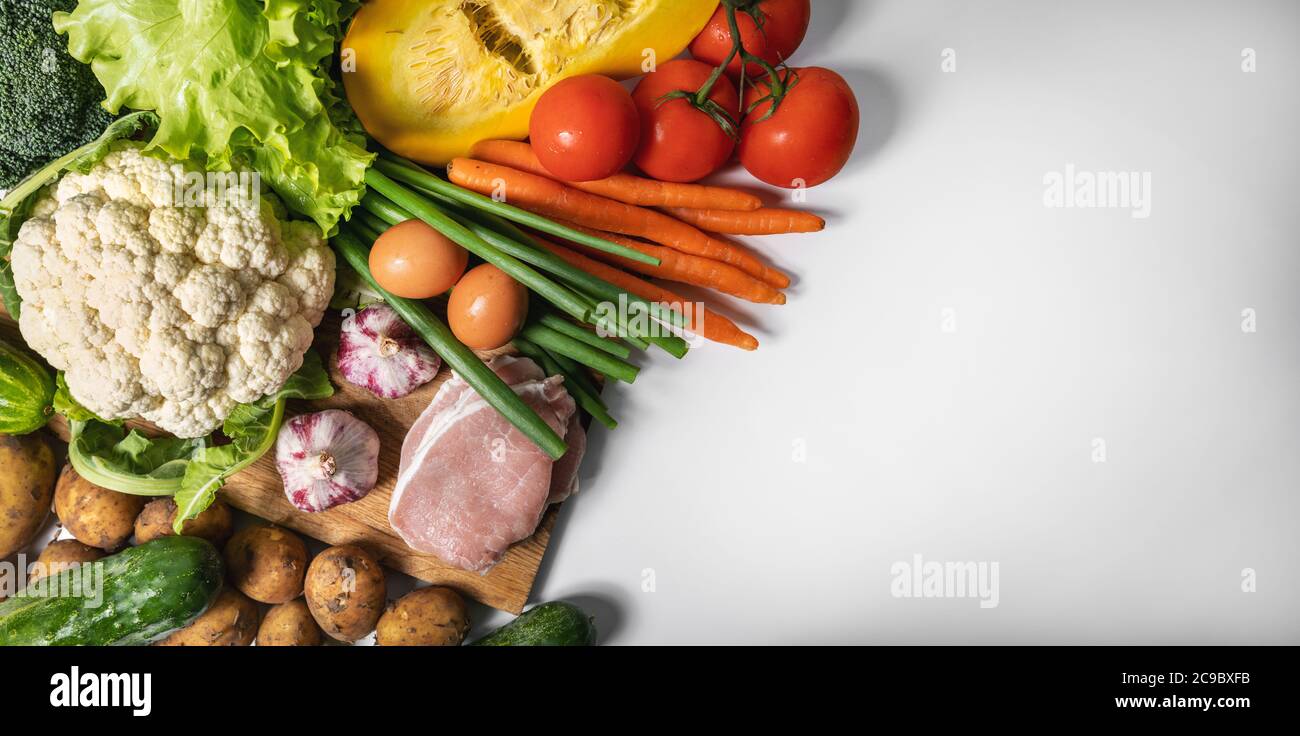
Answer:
(776, 279)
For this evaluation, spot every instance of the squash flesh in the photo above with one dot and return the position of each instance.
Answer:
(430, 79)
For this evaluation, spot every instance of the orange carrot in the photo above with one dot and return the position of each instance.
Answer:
(560, 202)
(764, 221)
(708, 324)
(682, 267)
(625, 188)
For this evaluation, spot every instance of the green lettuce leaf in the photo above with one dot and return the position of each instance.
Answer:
(234, 79)
(112, 457)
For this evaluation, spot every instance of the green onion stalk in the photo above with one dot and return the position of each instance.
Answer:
(557, 342)
(584, 391)
(463, 360)
(380, 213)
(511, 239)
(407, 201)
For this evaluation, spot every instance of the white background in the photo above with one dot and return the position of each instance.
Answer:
(1071, 325)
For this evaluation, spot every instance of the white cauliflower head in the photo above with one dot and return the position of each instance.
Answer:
(159, 305)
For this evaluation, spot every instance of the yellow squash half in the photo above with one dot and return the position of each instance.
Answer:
(430, 79)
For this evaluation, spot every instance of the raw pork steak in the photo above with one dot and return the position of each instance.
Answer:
(471, 484)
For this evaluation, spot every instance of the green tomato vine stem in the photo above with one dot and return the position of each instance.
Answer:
(778, 84)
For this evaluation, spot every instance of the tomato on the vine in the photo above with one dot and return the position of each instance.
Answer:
(584, 128)
(680, 142)
(810, 136)
(784, 24)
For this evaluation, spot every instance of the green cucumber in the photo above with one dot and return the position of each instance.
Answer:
(556, 624)
(134, 597)
(26, 392)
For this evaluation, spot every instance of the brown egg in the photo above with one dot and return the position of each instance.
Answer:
(414, 261)
(487, 308)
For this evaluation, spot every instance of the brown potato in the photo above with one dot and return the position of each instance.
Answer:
(346, 592)
(231, 621)
(267, 563)
(95, 516)
(213, 524)
(289, 625)
(61, 554)
(428, 617)
(26, 487)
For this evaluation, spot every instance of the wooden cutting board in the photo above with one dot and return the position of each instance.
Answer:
(259, 491)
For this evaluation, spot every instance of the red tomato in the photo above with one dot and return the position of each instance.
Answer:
(809, 138)
(784, 24)
(678, 141)
(584, 128)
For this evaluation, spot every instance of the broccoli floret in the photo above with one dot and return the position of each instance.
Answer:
(49, 101)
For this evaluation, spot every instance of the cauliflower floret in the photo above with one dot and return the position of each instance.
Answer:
(109, 383)
(237, 239)
(266, 346)
(209, 294)
(162, 306)
(34, 260)
(176, 228)
(170, 269)
(183, 371)
(74, 229)
(309, 257)
(212, 411)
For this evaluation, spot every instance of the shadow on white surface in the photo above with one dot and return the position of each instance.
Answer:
(878, 112)
(829, 16)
